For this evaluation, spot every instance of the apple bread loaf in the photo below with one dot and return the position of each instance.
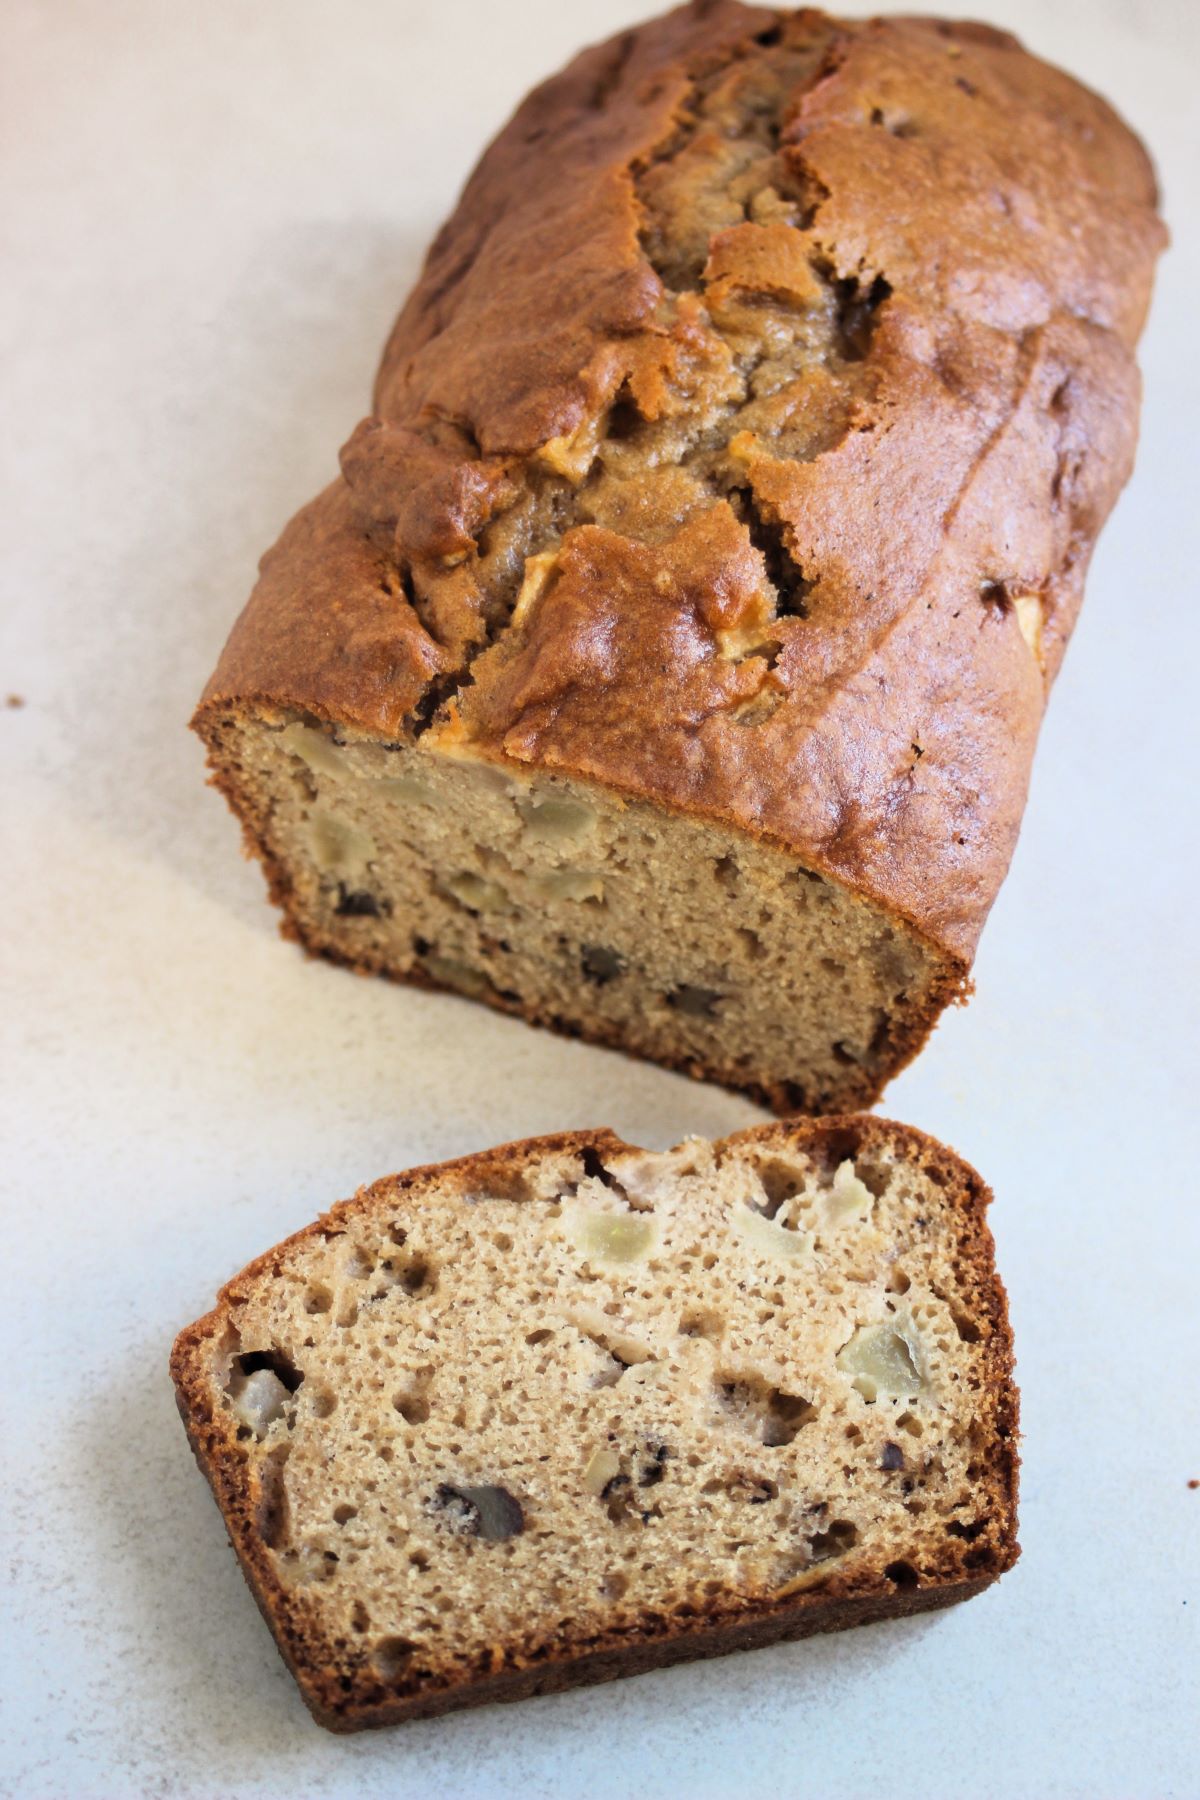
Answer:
(667, 661)
(568, 1410)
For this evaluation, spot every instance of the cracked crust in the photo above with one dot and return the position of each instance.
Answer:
(752, 465)
(898, 1569)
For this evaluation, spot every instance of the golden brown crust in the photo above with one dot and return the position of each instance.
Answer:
(346, 1701)
(700, 1641)
(982, 228)
(327, 619)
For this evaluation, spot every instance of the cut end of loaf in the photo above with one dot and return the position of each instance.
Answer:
(570, 1409)
(676, 939)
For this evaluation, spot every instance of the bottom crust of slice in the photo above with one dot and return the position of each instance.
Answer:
(695, 1641)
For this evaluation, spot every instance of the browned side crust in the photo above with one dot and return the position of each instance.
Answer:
(987, 229)
(725, 1624)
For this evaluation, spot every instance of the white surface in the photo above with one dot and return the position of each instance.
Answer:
(212, 212)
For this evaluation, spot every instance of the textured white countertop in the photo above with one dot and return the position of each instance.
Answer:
(210, 215)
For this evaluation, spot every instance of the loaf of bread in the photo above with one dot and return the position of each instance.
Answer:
(666, 663)
(569, 1410)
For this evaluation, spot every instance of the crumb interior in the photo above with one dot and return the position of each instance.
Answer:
(604, 1393)
(685, 942)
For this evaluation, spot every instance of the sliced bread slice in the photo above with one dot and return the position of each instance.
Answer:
(568, 1410)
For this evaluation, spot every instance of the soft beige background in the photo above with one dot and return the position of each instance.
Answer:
(210, 213)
